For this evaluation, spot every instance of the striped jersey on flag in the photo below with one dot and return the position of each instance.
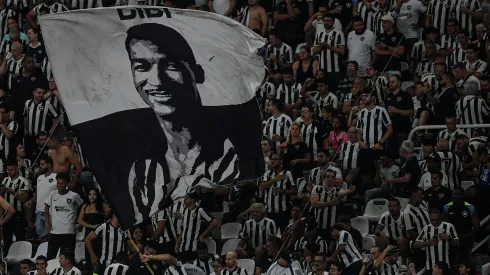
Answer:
(351, 253)
(416, 218)
(439, 252)
(277, 126)
(348, 155)
(19, 184)
(284, 54)
(60, 271)
(325, 216)
(85, 4)
(192, 220)
(113, 241)
(372, 124)
(329, 60)
(440, 11)
(394, 227)
(452, 166)
(257, 233)
(311, 136)
(13, 127)
(289, 94)
(276, 202)
(116, 269)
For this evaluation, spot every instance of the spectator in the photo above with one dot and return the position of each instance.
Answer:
(257, 229)
(410, 171)
(391, 222)
(25, 266)
(346, 250)
(67, 262)
(120, 265)
(41, 264)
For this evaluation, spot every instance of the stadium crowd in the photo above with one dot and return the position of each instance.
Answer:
(351, 185)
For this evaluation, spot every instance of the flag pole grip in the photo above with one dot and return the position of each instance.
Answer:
(139, 254)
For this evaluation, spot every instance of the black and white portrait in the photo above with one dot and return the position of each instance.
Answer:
(166, 76)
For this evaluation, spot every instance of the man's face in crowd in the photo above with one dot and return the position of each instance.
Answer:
(445, 79)
(252, 2)
(328, 22)
(432, 37)
(435, 219)
(359, 27)
(44, 166)
(52, 84)
(459, 73)
(306, 113)
(3, 115)
(430, 49)
(288, 79)
(61, 185)
(28, 63)
(435, 180)
(393, 208)
(383, 3)
(203, 254)
(16, 50)
(371, 71)
(230, 260)
(266, 147)
(322, 158)
(38, 94)
(368, 99)
(471, 55)
(352, 134)
(12, 171)
(24, 268)
(321, 87)
(451, 124)
(452, 28)
(387, 25)
(40, 265)
(463, 39)
(160, 81)
(393, 84)
(351, 70)
(41, 140)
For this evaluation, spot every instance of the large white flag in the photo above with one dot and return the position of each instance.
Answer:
(158, 97)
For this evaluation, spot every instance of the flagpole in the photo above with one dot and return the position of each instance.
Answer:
(139, 254)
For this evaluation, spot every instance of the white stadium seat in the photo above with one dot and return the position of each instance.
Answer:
(81, 235)
(248, 265)
(226, 207)
(466, 184)
(52, 265)
(374, 209)
(79, 252)
(361, 224)
(211, 246)
(229, 245)
(230, 230)
(368, 243)
(42, 249)
(19, 251)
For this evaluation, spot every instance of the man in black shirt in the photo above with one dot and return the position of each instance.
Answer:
(400, 108)
(344, 11)
(7, 101)
(410, 170)
(442, 99)
(389, 48)
(438, 195)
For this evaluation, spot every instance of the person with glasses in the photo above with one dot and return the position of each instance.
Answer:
(337, 268)
(319, 264)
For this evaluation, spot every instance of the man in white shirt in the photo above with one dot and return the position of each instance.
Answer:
(361, 43)
(407, 14)
(46, 183)
(62, 204)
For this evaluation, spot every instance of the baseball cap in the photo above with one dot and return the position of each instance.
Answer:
(388, 17)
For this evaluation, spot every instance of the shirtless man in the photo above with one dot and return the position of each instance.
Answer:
(254, 17)
(63, 159)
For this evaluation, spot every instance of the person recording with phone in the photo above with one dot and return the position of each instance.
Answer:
(368, 261)
(387, 262)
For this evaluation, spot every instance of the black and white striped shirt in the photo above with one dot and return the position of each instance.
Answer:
(458, 55)
(5, 14)
(418, 51)
(311, 136)
(325, 216)
(416, 218)
(376, 23)
(13, 127)
(169, 231)
(276, 202)
(372, 124)
(452, 166)
(365, 13)
(244, 14)
(236, 271)
(471, 110)
(85, 4)
(317, 174)
(329, 60)
(14, 69)
(395, 228)
(379, 85)
(284, 54)
(477, 66)
(20, 184)
(441, 11)
(176, 269)
(387, 269)
(449, 42)
(116, 269)
(113, 241)
(425, 66)
(258, 232)
(451, 137)
(79, 153)
(192, 219)
(177, 207)
(60, 271)
(300, 244)
(439, 252)
(206, 266)
(39, 116)
(330, 99)
(266, 89)
(351, 253)
(466, 20)
(475, 143)
(46, 68)
(288, 94)
(348, 155)
(277, 126)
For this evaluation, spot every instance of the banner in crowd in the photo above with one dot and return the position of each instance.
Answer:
(159, 98)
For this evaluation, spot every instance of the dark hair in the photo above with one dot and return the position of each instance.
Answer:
(436, 211)
(166, 39)
(11, 161)
(338, 264)
(13, 18)
(276, 241)
(47, 159)
(460, 189)
(459, 65)
(394, 200)
(306, 48)
(357, 18)
(344, 219)
(439, 173)
(325, 151)
(279, 104)
(42, 258)
(26, 261)
(64, 176)
(34, 30)
(41, 133)
(429, 30)
(219, 261)
(444, 266)
(69, 255)
(202, 245)
(312, 247)
(353, 62)
(399, 78)
(309, 106)
(99, 203)
(122, 257)
(321, 80)
(3, 106)
(338, 227)
(329, 15)
(287, 71)
(453, 20)
(465, 32)
(473, 47)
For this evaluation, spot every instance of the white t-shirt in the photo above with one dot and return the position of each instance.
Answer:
(361, 47)
(426, 181)
(409, 17)
(63, 210)
(45, 185)
(192, 269)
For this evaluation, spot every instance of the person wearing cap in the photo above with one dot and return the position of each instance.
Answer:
(465, 219)
(389, 48)
(387, 262)
(190, 231)
(433, 162)
(410, 171)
